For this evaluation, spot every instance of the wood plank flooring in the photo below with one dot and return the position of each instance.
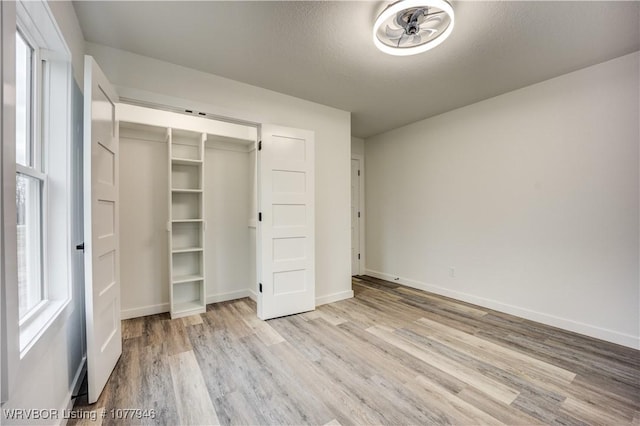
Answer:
(391, 355)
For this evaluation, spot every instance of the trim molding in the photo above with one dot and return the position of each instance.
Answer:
(77, 379)
(541, 317)
(143, 311)
(223, 297)
(252, 295)
(75, 386)
(334, 297)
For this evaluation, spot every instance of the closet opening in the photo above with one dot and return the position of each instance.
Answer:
(187, 212)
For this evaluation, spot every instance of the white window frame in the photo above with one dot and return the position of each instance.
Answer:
(36, 170)
(9, 342)
(51, 123)
(42, 178)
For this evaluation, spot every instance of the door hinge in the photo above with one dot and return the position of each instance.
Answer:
(358, 256)
(358, 172)
(259, 145)
(358, 214)
(260, 287)
(80, 246)
(259, 216)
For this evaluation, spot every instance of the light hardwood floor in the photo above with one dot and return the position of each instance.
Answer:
(391, 355)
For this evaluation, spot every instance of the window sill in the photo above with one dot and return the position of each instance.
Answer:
(31, 332)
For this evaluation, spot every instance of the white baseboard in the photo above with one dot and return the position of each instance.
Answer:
(75, 386)
(334, 297)
(161, 308)
(223, 297)
(252, 295)
(143, 311)
(541, 317)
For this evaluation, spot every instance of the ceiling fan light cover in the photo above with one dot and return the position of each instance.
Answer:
(408, 27)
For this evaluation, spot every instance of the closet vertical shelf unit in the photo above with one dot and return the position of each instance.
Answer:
(186, 222)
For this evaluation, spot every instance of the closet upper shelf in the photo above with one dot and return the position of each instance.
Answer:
(167, 119)
(142, 132)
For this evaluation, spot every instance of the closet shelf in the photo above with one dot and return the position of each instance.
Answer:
(186, 213)
(185, 161)
(186, 278)
(187, 250)
(187, 191)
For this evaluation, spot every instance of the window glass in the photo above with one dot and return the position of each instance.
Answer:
(29, 186)
(29, 243)
(24, 78)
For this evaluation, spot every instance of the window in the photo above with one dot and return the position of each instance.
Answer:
(30, 183)
(42, 174)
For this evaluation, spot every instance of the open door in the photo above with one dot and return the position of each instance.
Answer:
(286, 257)
(101, 223)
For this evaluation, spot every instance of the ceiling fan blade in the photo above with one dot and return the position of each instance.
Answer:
(427, 32)
(431, 21)
(416, 39)
(428, 16)
(439, 12)
(393, 32)
(402, 40)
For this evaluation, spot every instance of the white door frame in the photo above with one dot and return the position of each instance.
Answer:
(361, 262)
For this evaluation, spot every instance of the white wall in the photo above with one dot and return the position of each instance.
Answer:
(48, 372)
(357, 145)
(144, 270)
(227, 200)
(65, 16)
(162, 82)
(531, 197)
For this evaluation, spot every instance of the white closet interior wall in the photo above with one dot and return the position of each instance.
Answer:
(229, 213)
(227, 239)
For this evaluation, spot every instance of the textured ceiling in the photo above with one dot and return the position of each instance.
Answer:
(322, 51)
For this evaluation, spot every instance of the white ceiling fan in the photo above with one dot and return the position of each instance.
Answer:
(408, 27)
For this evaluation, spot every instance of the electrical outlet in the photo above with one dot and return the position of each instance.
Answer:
(452, 272)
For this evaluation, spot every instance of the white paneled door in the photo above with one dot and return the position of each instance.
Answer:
(286, 260)
(102, 263)
(355, 216)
